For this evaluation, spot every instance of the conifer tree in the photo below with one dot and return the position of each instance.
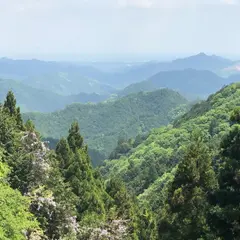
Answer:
(64, 155)
(10, 103)
(14, 111)
(78, 173)
(185, 213)
(74, 138)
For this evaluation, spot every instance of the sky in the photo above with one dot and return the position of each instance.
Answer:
(77, 29)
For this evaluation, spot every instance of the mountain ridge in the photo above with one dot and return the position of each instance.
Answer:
(161, 151)
(103, 123)
(33, 99)
(189, 82)
(22, 69)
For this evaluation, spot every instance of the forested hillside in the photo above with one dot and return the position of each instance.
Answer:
(164, 145)
(120, 120)
(104, 123)
(187, 173)
(46, 86)
(57, 194)
(179, 182)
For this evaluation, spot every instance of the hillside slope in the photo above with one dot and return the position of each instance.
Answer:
(68, 83)
(22, 68)
(102, 124)
(32, 99)
(145, 169)
(57, 194)
(59, 77)
(189, 82)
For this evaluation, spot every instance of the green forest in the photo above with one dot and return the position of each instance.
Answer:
(119, 120)
(180, 181)
(103, 124)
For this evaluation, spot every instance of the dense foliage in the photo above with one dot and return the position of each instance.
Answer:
(15, 219)
(164, 146)
(57, 194)
(190, 180)
(104, 123)
(178, 182)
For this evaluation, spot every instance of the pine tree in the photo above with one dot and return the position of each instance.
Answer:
(185, 213)
(74, 138)
(64, 155)
(8, 131)
(10, 103)
(80, 177)
(14, 111)
(78, 173)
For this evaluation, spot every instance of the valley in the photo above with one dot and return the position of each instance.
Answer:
(103, 124)
(42, 86)
(119, 161)
(119, 120)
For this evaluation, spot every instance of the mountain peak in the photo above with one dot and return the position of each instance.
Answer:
(204, 61)
(202, 54)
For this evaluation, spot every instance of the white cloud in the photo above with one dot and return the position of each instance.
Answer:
(41, 5)
(136, 3)
(173, 3)
(231, 2)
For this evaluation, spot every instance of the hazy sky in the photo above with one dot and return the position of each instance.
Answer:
(58, 28)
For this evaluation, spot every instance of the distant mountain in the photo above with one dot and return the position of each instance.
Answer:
(202, 61)
(234, 78)
(34, 67)
(143, 72)
(189, 82)
(68, 83)
(112, 67)
(103, 123)
(230, 70)
(32, 99)
(72, 78)
(62, 78)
